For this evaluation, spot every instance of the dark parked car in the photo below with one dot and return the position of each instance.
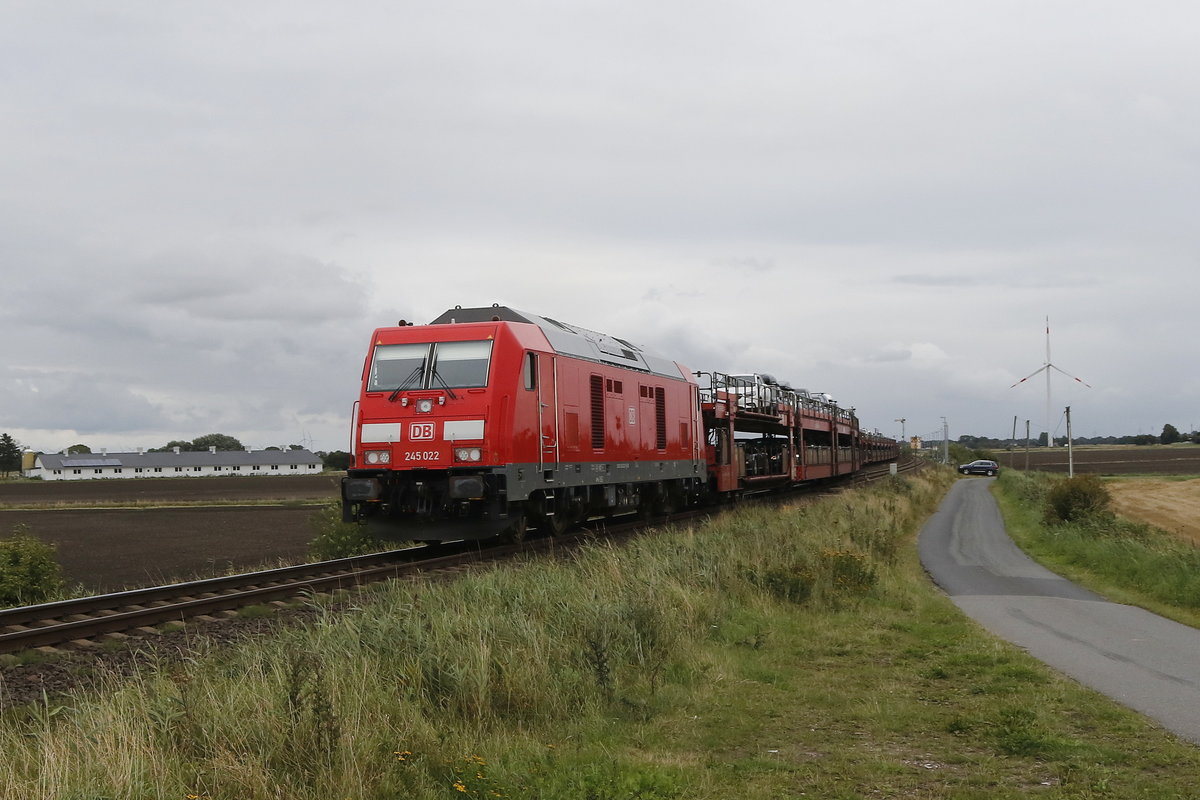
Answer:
(981, 467)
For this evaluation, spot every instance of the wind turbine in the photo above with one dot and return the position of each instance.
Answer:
(1049, 365)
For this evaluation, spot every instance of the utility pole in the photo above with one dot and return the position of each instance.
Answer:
(1011, 455)
(1070, 454)
(1027, 445)
(945, 441)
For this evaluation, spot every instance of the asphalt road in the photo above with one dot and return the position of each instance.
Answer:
(1142, 660)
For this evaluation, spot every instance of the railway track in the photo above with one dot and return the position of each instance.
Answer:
(83, 621)
(875, 472)
(85, 618)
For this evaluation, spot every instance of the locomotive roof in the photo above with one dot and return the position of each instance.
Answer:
(572, 340)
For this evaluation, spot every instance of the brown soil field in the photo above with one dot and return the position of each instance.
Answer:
(1118, 460)
(106, 549)
(166, 490)
(1171, 505)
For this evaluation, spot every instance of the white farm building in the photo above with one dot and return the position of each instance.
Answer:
(172, 464)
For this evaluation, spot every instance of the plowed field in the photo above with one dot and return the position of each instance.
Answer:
(168, 490)
(104, 548)
(1119, 460)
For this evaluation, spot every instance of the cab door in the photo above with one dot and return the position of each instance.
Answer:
(546, 380)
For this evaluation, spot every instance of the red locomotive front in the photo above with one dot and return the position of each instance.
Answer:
(489, 419)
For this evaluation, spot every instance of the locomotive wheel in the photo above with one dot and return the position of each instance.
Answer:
(671, 500)
(554, 515)
(554, 519)
(648, 504)
(518, 522)
(657, 501)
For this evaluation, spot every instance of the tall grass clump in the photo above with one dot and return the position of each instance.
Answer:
(29, 570)
(1067, 522)
(493, 685)
(334, 538)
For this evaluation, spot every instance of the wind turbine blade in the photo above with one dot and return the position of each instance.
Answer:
(1030, 375)
(1069, 375)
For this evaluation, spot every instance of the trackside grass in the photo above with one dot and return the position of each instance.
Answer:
(1126, 561)
(767, 653)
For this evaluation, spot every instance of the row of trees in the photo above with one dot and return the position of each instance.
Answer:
(220, 441)
(1170, 435)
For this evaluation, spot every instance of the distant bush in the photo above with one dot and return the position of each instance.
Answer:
(1083, 497)
(336, 461)
(962, 454)
(29, 571)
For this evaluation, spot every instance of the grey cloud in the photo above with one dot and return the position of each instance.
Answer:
(745, 263)
(891, 354)
(87, 402)
(1015, 278)
(942, 281)
(219, 203)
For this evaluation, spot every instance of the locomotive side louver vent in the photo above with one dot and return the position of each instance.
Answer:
(597, 412)
(660, 418)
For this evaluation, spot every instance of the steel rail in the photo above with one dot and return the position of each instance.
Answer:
(85, 617)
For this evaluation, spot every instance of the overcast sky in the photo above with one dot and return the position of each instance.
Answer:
(205, 208)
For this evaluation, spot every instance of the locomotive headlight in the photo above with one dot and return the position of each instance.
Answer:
(424, 406)
(467, 454)
(378, 456)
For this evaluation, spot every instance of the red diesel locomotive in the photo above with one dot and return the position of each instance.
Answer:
(490, 420)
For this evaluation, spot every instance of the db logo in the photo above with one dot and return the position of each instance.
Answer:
(421, 431)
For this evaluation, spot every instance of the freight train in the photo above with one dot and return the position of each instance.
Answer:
(491, 421)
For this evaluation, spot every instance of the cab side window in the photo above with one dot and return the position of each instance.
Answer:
(530, 371)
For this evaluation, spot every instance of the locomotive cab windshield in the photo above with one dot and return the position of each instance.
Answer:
(435, 365)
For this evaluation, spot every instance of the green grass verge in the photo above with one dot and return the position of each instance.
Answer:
(764, 654)
(1126, 561)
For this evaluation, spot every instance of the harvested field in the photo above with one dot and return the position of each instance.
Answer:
(1173, 506)
(1118, 460)
(106, 548)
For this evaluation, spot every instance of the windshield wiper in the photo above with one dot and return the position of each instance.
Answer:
(416, 373)
(437, 377)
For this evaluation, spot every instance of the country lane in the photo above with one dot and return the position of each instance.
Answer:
(1139, 659)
